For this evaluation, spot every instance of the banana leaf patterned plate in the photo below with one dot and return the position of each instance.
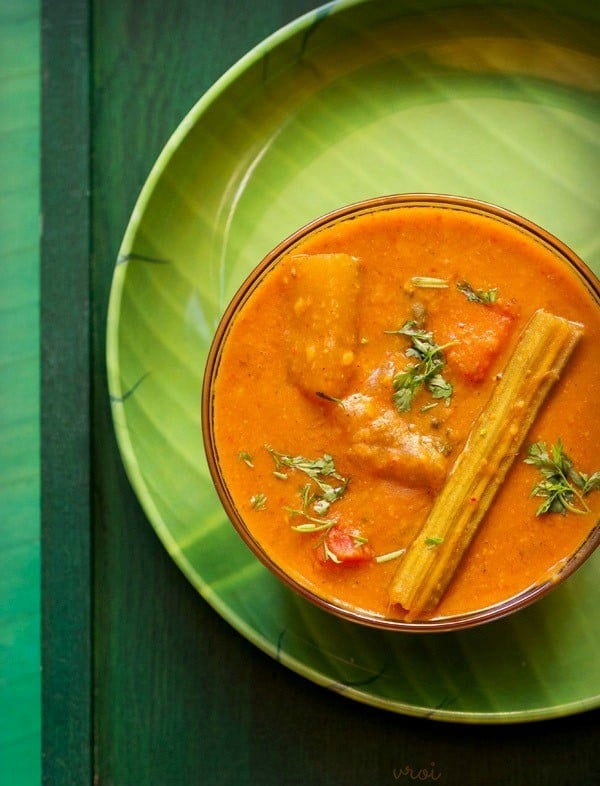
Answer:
(498, 101)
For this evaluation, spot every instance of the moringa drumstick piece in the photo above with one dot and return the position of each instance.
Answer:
(495, 439)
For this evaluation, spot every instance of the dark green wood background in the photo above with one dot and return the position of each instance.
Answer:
(143, 683)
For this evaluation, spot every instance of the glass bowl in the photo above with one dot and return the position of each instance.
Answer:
(555, 574)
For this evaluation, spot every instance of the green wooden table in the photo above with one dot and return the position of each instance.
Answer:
(19, 393)
(143, 683)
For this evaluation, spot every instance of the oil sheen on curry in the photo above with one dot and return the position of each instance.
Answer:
(405, 412)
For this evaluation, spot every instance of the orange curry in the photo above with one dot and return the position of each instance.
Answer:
(334, 440)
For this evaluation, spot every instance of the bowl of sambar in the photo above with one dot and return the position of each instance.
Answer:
(398, 412)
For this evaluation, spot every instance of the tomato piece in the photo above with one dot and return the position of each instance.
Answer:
(479, 341)
(344, 545)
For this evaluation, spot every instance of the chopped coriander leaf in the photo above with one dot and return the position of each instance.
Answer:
(258, 501)
(244, 456)
(425, 372)
(310, 524)
(359, 540)
(390, 555)
(321, 506)
(325, 485)
(485, 296)
(429, 282)
(307, 496)
(439, 387)
(562, 486)
(591, 482)
(432, 541)
(330, 555)
(318, 470)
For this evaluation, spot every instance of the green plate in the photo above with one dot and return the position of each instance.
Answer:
(354, 100)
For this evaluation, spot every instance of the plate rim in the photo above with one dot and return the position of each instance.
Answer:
(132, 468)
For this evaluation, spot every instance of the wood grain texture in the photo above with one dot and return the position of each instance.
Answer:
(178, 696)
(65, 416)
(19, 393)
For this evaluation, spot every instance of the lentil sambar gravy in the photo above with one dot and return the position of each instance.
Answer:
(308, 369)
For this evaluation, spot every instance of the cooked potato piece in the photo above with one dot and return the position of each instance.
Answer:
(388, 446)
(322, 291)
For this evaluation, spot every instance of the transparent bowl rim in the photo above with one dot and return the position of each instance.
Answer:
(473, 618)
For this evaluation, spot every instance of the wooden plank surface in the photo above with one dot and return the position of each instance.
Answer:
(19, 393)
(65, 410)
(176, 696)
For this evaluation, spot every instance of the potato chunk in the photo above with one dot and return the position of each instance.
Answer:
(390, 447)
(322, 292)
